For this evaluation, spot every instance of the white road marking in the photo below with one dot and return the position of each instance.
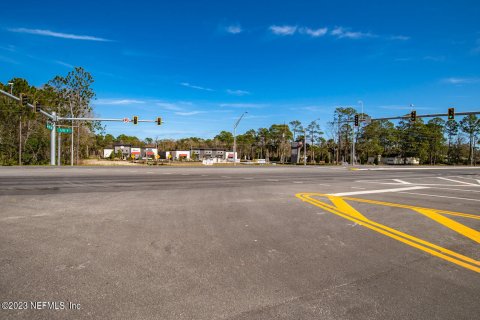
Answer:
(457, 181)
(413, 183)
(273, 180)
(478, 180)
(401, 181)
(413, 168)
(437, 196)
(457, 189)
(375, 191)
(357, 188)
(248, 178)
(297, 182)
(323, 184)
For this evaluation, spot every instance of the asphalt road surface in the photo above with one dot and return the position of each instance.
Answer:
(239, 243)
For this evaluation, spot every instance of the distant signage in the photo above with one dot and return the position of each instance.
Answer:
(135, 150)
(64, 130)
(49, 126)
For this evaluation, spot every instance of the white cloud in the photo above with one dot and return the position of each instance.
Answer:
(8, 60)
(434, 58)
(189, 85)
(238, 92)
(341, 32)
(234, 29)
(169, 106)
(54, 34)
(189, 113)
(9, 47)
(68, 65)
(399, 37)
(314, 32)
(242, 105)
(118, 101)
(283, 30)
(455, 80)
(401, 107)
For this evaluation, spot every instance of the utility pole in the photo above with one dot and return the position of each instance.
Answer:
(71, 138)
(353, 146)
(235, 138)
(59, 162)
(304, 147)
(20, 141)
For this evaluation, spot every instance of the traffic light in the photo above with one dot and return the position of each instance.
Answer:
(356, 120)
(37, 107)
(451, 113)
(135, 119)
(24, 99)
(413, 116)
(159, 121)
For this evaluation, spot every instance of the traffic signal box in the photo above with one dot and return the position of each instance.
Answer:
(356, 120)
(24, 100)
(135, 119)
(37, 107)
(159, 121)
(413, 116)
(451, 113)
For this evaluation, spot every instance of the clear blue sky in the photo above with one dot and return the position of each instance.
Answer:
(200, 64)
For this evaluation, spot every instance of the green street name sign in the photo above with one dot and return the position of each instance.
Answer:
(64, 130)
(49, 126)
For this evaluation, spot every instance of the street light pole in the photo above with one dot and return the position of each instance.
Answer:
(235, 138)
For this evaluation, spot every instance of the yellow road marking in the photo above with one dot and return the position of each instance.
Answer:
(344, 210)
(406, 206)
(345, 207)
(449, 223)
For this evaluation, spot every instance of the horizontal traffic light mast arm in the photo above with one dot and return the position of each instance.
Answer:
(28, 104)
(102, 119)
(428, 115)
(419, 116)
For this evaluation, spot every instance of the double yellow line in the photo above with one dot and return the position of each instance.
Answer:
(341, 208)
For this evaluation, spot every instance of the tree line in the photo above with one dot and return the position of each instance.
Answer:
(25, 139)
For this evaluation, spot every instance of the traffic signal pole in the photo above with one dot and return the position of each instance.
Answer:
(54, 119)
(52, 140)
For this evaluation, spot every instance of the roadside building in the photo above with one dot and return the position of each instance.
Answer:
(136, 152)
(399, 160)
(107, 152)
(230, 156)
(180, 155)
(124, 148)
(208, 153)
(149, 152)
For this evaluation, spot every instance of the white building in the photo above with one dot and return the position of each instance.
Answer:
(180, 155)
